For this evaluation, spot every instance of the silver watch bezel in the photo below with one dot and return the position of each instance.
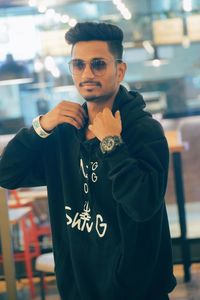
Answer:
(116, 141)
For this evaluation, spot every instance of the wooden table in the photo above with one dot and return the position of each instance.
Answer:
(176, 147)
(29, 195)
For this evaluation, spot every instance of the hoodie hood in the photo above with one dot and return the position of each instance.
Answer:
(131, 98)
(130, 104)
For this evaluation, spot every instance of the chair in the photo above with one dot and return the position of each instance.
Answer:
(29, 245)
(44, 264)
(38, 231)
(42, 229)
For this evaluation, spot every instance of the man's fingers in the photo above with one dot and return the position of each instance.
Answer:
(72, 111)
(91, 128)
(64, 112)
(76, 107)
(70, 121)
(117, 115)
(77, 116)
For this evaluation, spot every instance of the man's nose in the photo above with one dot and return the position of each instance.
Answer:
(87, 72)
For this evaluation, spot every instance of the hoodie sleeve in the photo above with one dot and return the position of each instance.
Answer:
(21, 163)
(138, 170)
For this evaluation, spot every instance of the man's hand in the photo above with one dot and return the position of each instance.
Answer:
(64, 112)
(105, 124)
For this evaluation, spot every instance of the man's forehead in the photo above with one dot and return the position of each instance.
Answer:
(91, 49)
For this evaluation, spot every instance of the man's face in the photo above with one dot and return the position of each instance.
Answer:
(93, 85)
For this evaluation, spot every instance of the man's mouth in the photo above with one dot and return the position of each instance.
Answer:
(89, 84)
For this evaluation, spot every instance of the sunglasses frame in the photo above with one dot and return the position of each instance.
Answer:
(95, 72)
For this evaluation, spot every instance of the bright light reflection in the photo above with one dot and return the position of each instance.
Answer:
(187, 5)
(32, 3)
(127, 15)
(122, 9)
(55, 72)
(156, 63)
(50, 13)
(148, 47)
(57, 18)
(42, 8)
(72, 22)
(38, 65)
(49, 63)
(64, 18)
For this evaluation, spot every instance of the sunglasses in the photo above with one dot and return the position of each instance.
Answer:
(98, 66)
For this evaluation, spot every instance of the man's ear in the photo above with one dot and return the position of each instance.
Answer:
(121, 67)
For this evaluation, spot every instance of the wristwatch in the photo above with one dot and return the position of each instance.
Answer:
(109, 143)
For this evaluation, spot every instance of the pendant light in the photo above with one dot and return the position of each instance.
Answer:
(155, 61)
(151, 48)
(187, 7)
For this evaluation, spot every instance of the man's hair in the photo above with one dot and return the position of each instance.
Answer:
(93, 31)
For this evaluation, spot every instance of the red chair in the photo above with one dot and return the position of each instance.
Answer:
(38, 232)
(29, 248)
(29, 244)
(42, 229)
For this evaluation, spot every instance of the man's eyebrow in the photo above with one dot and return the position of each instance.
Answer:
(98, 58)
(93, 58)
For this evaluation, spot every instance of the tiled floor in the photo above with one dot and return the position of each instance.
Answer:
(183, 291)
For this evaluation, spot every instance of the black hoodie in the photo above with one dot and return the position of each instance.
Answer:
(110, 230)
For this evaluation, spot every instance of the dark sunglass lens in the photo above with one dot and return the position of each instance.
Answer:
(77, 65)
(98, 65)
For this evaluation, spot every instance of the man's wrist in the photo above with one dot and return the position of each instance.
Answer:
(38, 128)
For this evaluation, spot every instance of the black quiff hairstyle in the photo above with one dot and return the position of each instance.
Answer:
(93, 31)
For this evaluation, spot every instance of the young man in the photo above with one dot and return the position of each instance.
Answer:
(105, 166)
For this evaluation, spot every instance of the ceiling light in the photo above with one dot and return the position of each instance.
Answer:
(125, 12)
(38, 65)
(32, 3)
(72, 22)
(127, 15)
(55, 72)
(42, 8)
(156, 61)
(148, 47)
(64, 18)
(153, 63)
(57, 18)
(49, 63)
(50, 13)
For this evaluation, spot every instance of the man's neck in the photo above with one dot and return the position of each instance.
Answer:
(95, 108)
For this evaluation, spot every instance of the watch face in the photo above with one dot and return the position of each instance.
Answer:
(109, 144)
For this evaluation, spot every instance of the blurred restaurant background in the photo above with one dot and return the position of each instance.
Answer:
(162, 51)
